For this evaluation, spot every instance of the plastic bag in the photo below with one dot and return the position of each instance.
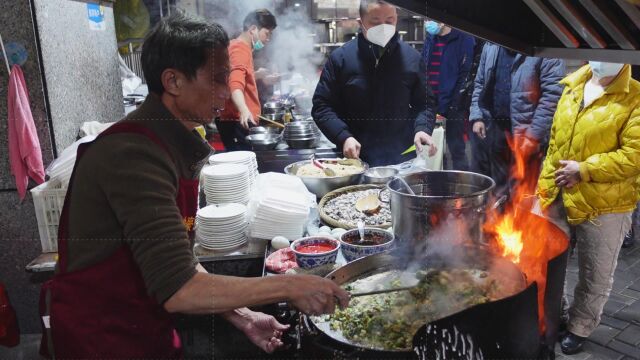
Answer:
(424, 161)
(61, 168)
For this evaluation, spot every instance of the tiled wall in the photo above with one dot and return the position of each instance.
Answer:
(81, 67)
(19, 240)
(80, 73)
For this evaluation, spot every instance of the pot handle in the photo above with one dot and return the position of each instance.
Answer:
(380, 196)
(501, 200)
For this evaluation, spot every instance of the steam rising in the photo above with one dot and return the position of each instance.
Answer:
(291, 49)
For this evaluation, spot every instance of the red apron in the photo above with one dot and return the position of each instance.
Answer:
(104, 311)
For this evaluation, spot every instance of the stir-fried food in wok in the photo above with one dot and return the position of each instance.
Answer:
(389, 320)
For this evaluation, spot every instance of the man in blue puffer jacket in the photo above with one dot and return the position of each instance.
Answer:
(372, 99)
(448, 54)
(514, 95)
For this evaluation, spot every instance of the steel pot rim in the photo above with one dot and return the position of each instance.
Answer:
(445, 197)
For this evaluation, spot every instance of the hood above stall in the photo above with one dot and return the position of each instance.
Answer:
(604, 30)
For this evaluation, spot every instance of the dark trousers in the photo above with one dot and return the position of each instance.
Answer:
(455, 142)
(232, 135)
(492, 157)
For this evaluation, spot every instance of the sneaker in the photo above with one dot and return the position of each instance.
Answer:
(628, 240)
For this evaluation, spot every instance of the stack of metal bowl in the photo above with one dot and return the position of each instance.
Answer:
(263, 141)
(301, 134)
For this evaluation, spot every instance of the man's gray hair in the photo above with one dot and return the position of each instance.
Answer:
(364, 6)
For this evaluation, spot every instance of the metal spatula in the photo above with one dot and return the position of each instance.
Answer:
(376, 292)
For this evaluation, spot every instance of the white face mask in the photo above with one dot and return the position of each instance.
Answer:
(604, 69)
(380, 34)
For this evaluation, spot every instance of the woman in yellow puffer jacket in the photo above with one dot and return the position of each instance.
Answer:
(592, 169)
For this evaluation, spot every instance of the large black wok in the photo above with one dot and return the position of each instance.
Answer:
(465, 258)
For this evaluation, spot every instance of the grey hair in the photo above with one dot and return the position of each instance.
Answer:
(364, 6)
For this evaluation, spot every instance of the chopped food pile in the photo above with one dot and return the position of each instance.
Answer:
(310, 170)
(343, 208)
(389, 320)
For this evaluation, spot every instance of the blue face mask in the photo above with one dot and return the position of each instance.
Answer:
(257, 45)
(432, 27)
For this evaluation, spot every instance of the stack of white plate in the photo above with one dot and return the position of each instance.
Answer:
(226, 183)
(221, 227)
(247, 158)
(279, 212)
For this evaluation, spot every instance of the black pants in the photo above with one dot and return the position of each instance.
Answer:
(455, 142)
(233, 135)
(492, 157)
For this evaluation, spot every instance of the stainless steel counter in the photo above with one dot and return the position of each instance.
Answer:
(47, 261)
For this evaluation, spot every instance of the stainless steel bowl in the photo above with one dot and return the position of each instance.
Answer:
(273, 107)
(258, 130)
(304, 143)
(265, 141)
(380, 175)
(322, 185)
(277, 117)
(265, 130)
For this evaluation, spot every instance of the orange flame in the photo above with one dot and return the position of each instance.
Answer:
(520, 236)
(510, 239)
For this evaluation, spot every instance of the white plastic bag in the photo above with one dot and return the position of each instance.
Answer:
(61, 168)
(426, 162)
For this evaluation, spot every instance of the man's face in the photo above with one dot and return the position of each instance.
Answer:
(203, 97)
(379, 14)
(263, 34)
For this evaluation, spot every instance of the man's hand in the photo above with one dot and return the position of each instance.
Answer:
(422, 138)
(351, 148)
(261, 73)
(569, 174)
(263, 330)
(246, 118)
(314, 295)
(480, 129)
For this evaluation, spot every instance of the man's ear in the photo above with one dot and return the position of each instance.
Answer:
(172, 81)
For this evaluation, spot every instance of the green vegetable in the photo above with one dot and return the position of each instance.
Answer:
(389, 320)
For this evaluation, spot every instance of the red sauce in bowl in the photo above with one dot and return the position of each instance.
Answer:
(315, 249)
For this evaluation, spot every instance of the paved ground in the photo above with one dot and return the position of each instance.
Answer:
(618, 335)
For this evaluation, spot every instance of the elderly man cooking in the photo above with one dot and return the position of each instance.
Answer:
(372, 99)
(126, 263)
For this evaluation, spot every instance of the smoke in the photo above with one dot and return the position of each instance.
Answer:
(446, 239)
(291, 49)
(231, 13)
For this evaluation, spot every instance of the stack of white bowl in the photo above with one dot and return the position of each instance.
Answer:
(279, 212)
(226, 183)
(222, 227)
(247, 158)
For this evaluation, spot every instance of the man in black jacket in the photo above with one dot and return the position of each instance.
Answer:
(372, 99)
